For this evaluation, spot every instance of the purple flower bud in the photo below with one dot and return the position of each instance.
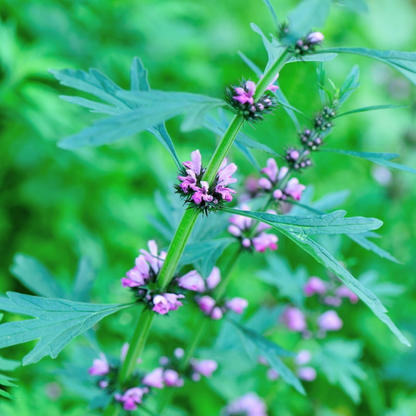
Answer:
(272, 374)
(264, 183)
(237, 305)
(294, 319)
(216, 313)
(160, 305)
(307, 373)
(179, 353)
(171, 377)
(214, 278)
(277, 194)
(294, 155)
(246, 242)
(334, 301)
(234, 230)
(163, 360)
(329, 321)
(315, 37)
(100, 366)
(206, 303)
(303, 357)
(103, 384)
(192, 281)
(315, 285)
(345, 292)
(205, 367)
(196, 377)
(154, 379)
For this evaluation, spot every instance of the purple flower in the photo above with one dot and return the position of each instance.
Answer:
(205, 367)
(206, 304)
(202, 193)
(237, 305)
(264, 241)
(153, 258)
(224, 178)
(307, 373)
(154, 379)
(173, 301)
(241, 222)
(245, 94)
(131, 398)
(179, 353)
(171, 377)
(345, 292)
(272, 374)
(100, 366)
(103, 384)
(271, 86)
(214, 278)
(294, 189)
(329, 321)
(315, 37)
(294, 319)
(249, 405)
(315, 285)
(273, 173)
(303, 357)
(192, 281)
(334, 301)
(196, 164)
(216, 313)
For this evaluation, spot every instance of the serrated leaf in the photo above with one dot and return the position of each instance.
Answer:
(271, 352)
(84, 279)
(334, 223)
(338, 361)
(322, 256)
(371, 108)
(307, 15)
(404, 62)
(58, 322)
(35, 276)
(382, 159)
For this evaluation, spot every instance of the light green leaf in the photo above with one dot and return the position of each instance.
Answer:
(248, 154)
(322, 256)
(338, 360)
(251, 64)
(272, 13)
(382, 159)
(322, 57)
(35, 276)
(58, 322)
(404, 62)
(321, 72)
(138, 76)
(357, 6)
(271, 352)
(371, 108)
(307, 15)
(8, 365)
(83, 280)
(350, 84)
(334, 223)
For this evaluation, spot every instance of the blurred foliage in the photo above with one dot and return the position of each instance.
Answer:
(58, 205)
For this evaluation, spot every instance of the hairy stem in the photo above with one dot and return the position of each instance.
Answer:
(184, 230)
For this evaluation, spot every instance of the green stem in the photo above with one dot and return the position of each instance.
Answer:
(184, 230)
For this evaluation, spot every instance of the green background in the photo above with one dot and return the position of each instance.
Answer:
(56, 204)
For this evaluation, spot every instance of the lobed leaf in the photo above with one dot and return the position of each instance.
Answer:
(334, 223)
(58, 322)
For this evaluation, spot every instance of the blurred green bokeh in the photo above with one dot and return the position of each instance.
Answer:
(57, 205)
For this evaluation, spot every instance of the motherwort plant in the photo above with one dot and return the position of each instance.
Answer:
(186, 273)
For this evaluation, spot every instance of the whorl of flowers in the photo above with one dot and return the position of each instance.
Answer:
(323, 120)
(248, 405)
(241, 98)
(198, 193)
(258, 240)
(303, 46)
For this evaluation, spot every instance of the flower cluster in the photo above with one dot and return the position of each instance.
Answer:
(252, 236)
(304, 372)
(295, 320)
(142, 279)
(330, 293)
(241, 99)
(310, 139)
(200, 194)
(323, 120)
(297, 159)
(293, 189)
(212, 308)
(248, 405)
(304, 46)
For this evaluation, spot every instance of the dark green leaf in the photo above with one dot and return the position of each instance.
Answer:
(338, 361)
(322, 256)
(58, 322)
(404, 62)
(334, 223)
(371, 108)
(382, 159)
(272, 353)
(35, 276)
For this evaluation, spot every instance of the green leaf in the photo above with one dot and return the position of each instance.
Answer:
(334, 223)
(371, 108)
(138, 76)
(35, 276)
(272, 13)
(321, 72)
(404, 62)
(289, 283)
(382, 159)
(357, 6)
(248, 154)
(362, 240)
(8, 365)
(307, 15)
(58, 322)
(350, 84)
(322, 256)
(321, 57)
(83, 281)
(4, 381)
(337, 359)
(271, 352)
(156, 107)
